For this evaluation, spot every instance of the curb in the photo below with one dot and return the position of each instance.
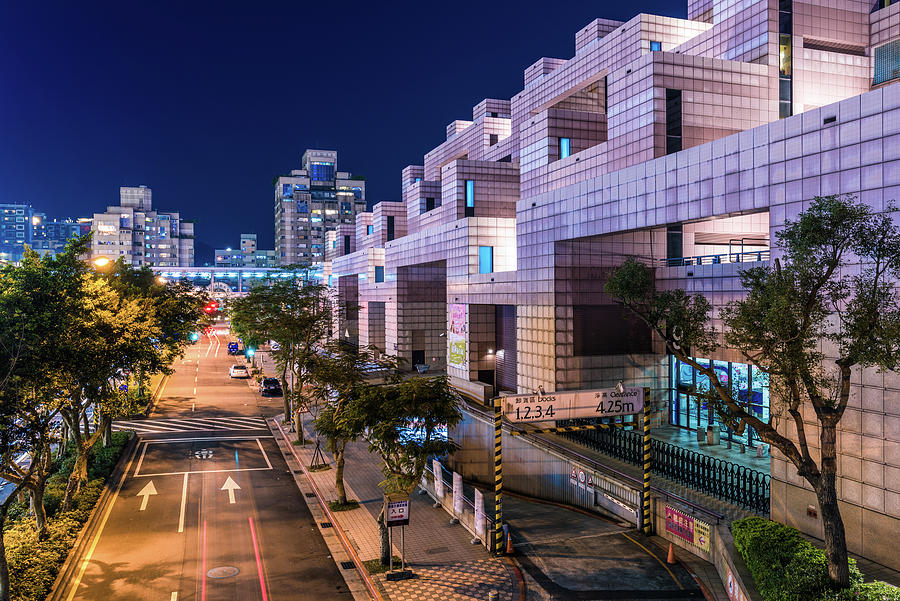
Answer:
(157, 394)
(373, 591)
(57, 592)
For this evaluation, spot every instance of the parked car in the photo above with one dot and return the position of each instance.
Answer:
(233, 348)
(238, 371)
(270, 386)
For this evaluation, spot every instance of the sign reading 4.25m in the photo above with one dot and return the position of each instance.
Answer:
(603, 402)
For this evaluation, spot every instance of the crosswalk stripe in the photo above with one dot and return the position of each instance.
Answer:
(170, 425)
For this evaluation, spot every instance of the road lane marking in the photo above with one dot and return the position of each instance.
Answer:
(264, 454)
(190, 439)
(203, 566)
(657, 559)
(231, 486)
(236, 464)
(259, 567)
(148, 490)
(243, 469)
(183, 503)
(138, 468)
(87, 557)
(174, 596)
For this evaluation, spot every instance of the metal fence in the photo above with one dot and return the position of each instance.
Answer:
(723, 479)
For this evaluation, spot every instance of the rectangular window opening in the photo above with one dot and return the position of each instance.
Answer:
(565, 147)
(485, 259)
(379, 274)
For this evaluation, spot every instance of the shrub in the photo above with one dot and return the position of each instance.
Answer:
(787, 567)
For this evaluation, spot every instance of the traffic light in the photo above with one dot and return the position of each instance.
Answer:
(251, 351)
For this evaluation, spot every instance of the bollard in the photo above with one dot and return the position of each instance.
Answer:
(493, 596)
(759, 451)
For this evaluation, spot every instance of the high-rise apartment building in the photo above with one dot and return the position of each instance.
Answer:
(16, 230)
(246, 255)
(312, 201)
(142, 236)
(50, 236)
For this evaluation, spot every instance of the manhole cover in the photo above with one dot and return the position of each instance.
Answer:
(223, 572)
(347, 565)
(203, 453)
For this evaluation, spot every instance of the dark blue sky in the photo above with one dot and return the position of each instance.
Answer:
(206, 101)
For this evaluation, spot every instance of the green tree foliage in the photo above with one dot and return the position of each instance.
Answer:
(828, 305)
(294, 314)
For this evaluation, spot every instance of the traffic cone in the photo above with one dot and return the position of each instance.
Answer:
(509, 545)
(670, 558)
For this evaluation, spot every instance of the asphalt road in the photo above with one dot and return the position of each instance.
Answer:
(208, 509)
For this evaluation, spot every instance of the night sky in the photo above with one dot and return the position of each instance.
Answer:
(206, 101)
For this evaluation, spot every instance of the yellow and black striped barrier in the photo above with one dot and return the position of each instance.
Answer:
(646, 524)
(498, 475)
(559, 429)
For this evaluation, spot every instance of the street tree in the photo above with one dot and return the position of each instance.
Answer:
(341, 375)
(295, 315)
(406, 424)
(826, 307)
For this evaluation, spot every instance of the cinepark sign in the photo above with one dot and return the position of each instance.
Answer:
(603, 402)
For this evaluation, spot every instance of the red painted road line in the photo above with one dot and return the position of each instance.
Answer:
(363, 572)
(259, 570)
(203, 566)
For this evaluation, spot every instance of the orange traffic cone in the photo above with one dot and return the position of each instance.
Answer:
(670, 558)
(509, 545)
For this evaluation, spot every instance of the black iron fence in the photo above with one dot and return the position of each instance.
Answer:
(723, 479)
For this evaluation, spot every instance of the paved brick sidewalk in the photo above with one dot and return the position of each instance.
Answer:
(446, 565)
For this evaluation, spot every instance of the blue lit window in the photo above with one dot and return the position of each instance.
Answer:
(334, 244)
(887, 62)
(286, 191)
(370, 229)
(379, 273)
(329, 280)
(470, 193)
(299, 187)
(322, 172)
(655, 46)
(485, 259)
(346, 208)
(302, 207)
(357, 192)
(417, 180)
(565, 147)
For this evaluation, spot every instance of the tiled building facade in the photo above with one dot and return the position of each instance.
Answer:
(685, 142)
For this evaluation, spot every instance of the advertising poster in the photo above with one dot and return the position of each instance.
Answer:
(456, 337)
(687, 528)
(479, 514)
(457, 494)
(438, 479)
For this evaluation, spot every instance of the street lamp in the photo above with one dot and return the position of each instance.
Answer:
(101, 261)
(161, 280)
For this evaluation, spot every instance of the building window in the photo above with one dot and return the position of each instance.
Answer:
(689, 409)
(565, 147)
(887, 62)
(485, 259)
(655, 46)
(785, 59)
(346, 245)
(379, 274)
(493, 139)
(370, 229)
(470, 198)
(334, 244)
(417, 180)
(429, 205)
(322, 172)
(673, 121)
(390, 227)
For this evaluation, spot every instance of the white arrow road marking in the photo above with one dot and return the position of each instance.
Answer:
(148, 490)
(231, 486)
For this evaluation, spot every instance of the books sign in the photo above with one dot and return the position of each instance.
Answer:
(573, 404)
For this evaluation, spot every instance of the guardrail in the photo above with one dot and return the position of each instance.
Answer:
(736, 257)
(717, 477)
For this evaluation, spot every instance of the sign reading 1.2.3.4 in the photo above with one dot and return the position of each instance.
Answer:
(604, 402)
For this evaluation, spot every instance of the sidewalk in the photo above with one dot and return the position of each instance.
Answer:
(445, 563)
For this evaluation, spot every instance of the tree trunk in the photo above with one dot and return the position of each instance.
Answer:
(385, 540)
(87, 425)
(286, 393)
(4, 567)
(106, 428)
(339, 472)
(37, 506)
(826, 493)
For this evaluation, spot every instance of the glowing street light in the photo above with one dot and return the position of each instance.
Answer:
(161, 280)
(101, 261)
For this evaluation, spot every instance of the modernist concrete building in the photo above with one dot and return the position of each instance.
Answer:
(312, 201)
(142, 236)
(687, 142)
(245, 255)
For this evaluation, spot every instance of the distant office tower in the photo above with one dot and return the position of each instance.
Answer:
(246, 255)
(142, 236)
(16, 230)
(312, 201)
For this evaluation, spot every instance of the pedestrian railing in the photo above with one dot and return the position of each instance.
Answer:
(730, 257)
(720, 478)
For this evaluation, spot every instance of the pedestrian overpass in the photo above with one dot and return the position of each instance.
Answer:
(236, 281)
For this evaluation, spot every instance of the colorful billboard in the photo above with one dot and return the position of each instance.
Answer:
(456, 337)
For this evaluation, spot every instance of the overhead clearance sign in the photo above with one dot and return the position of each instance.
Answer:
(603, 402)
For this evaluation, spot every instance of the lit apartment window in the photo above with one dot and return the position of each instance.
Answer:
(379, 273)
(565, 147)
(370, 229)
(655, 46)
(470, 198)
(887, 62)
(485, 259)
(785, 62)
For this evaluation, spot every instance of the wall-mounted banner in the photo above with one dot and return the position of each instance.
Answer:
(687, 528)
(456, 337)
(438, 479)
(457, 494)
